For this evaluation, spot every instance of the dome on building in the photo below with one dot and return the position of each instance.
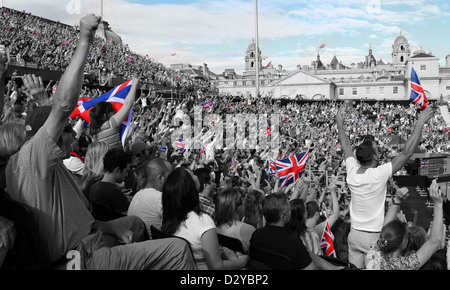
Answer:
(252, 47)
(400, 40)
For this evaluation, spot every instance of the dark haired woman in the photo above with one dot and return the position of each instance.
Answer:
(105, 123)
(182, 217)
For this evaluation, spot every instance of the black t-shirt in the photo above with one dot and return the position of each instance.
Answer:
(110, 195)
(280, 240)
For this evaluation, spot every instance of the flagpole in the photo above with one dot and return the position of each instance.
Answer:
(257, 49)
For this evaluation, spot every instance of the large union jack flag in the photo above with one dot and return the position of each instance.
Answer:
(116, 97)
(424, 164)
(326, 243)
(290, 169)
(417, 93)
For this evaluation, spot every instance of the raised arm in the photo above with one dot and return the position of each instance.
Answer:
(343, 139)
(431, 245)
(413, 141)
(128, 104)
(69, 88)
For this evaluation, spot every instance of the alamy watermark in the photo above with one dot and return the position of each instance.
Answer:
(239, 131)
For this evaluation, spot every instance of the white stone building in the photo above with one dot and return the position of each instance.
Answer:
(368, 80)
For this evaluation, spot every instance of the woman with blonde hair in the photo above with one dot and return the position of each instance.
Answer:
(93, 165)
(227, 217)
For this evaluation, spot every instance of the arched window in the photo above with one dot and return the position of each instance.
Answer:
(402, 59)
(252, 64)
(402, 48)
(252, 55)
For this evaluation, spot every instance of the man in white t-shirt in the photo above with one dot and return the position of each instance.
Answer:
(147, 204)
(367, 181)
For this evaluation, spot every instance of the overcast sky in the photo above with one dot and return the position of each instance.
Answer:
(290, 31)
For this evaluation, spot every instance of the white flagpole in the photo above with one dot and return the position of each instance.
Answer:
(257, 49)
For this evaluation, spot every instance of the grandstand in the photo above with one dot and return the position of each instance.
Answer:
(44, 47)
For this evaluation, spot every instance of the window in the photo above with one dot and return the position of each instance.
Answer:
(381, 90)
(447, 88)
(402, 59)
(354, 91)
(341, 91)
(395, 90)
(423, 67)
(367, 90)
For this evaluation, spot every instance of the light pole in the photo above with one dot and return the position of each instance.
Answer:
(257, 49)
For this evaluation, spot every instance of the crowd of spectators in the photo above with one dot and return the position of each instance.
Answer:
(149, 186)
(30, 40)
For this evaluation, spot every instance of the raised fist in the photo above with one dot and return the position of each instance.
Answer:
(88, 25)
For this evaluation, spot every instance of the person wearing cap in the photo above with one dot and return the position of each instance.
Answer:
(367, 181)
(60, 213)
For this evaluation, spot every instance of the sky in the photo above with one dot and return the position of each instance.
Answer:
(290, 31)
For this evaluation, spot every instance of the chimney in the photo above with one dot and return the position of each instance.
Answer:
(447, 60)
(280, 68)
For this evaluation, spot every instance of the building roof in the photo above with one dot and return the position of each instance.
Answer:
(421, 55)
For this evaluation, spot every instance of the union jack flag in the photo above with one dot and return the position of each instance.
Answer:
(287, 120)
(203, 150)
(447, 130)
(424, 164)
(130, 59)
(233, 165)
(417, 93)
(54, 89)
(181, 145)
(322, 46)
(207, 105)
(116, 97)
(272, 168)
(269, 131)
(290, 169)
(326, 243)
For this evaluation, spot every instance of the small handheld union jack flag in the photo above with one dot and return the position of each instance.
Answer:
(447, 130)
(326, 243)
(181, 145)
(206, 105)
(233, 165)
(272, 168)
(269, 131)
(203, 150)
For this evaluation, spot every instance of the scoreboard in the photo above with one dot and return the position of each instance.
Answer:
(433, 167)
